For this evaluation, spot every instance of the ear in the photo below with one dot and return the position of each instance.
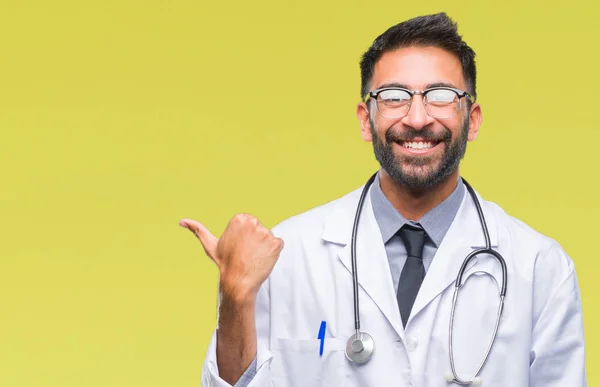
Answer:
(362, 112)
(475, 121)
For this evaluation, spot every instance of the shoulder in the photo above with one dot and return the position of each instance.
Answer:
(530, 245)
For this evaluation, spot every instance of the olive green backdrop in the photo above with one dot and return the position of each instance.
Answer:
(119, 117)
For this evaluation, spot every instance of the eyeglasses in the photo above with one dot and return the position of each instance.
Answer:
(439, 102)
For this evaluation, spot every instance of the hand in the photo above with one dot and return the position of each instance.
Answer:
(245, 254)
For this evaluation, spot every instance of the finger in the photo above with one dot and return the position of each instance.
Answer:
(208, 240)
(280, 246)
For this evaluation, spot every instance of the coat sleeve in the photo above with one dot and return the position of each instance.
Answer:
(557, 356)
(251, 378)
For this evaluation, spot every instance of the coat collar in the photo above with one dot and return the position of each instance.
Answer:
(464, 235)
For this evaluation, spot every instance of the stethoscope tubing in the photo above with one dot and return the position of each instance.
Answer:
(361, 202)
(458, 284)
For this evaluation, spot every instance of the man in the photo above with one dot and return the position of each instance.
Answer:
(285, 313)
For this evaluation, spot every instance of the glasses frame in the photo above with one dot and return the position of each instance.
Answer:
(459, 93)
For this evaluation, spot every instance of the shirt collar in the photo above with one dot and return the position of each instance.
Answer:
(436, 222)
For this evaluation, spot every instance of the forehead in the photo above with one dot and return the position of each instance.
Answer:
(418, 67)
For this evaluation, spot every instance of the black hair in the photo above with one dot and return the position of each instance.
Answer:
(436, 30)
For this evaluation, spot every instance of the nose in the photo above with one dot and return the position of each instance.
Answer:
(417, 118)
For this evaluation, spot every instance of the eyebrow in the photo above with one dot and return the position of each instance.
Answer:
(403, 86)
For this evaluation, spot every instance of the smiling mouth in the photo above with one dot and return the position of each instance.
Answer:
(418, 144)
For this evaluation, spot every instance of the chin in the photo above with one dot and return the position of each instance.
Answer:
(419, 177)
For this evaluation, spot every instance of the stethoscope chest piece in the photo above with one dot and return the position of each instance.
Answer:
(360, 347)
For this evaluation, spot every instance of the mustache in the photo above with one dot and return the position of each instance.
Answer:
(426, 134)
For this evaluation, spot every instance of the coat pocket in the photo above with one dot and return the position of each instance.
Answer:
(298, 362)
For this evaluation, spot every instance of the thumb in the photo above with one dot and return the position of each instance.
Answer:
(208, 240)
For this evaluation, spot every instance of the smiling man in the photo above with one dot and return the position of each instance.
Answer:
(328, 298)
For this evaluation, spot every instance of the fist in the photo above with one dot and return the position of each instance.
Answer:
(245, 254)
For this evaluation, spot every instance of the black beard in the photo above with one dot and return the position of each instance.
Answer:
(454, 151)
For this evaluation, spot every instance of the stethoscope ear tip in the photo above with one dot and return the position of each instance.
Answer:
(449, 378)
(477, 381)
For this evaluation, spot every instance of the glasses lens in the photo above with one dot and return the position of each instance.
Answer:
(393, 103)
(441, 103)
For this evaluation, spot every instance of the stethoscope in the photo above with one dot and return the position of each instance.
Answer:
(361, 346)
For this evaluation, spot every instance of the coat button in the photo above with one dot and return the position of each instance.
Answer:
(407, 376)
(411, 343)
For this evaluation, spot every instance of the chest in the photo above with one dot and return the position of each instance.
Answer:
(319, 287)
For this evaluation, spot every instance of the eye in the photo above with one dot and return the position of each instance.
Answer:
(441, 96)
(394, 96)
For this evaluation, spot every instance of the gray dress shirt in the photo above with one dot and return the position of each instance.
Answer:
(435, 223)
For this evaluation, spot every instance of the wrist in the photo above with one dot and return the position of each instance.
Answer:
(237, 296)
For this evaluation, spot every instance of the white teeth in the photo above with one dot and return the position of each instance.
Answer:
(418, 145)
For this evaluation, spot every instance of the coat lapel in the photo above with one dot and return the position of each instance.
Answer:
(464, 236)
(374, 276)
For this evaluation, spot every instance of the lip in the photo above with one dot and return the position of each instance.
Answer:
(418, 152)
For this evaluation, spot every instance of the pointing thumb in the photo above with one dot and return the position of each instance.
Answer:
(208, 240)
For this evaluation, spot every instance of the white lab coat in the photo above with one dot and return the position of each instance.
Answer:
(540, 340)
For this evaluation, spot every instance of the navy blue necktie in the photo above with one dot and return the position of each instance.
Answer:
(413, 271)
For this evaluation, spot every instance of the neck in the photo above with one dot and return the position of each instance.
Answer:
(414, 203)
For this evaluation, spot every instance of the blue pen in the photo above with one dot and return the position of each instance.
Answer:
(322, 336)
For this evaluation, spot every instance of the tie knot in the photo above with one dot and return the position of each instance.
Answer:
(414, 240)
